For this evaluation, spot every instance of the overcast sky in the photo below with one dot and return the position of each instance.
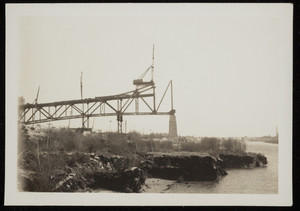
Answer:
(225, 63)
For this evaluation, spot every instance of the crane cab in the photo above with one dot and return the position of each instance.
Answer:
(139, 82)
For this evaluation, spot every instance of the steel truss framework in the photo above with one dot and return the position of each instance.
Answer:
(97, 107)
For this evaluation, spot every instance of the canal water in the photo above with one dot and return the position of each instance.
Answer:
(256, 181)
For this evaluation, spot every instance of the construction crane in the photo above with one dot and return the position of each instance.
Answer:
(118, 105)
(139, 81)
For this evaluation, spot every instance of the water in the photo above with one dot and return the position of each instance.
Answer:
(256, 181)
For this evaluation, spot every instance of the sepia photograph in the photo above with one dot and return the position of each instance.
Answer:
(149, 104)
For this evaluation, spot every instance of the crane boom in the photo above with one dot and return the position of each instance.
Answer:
(37, 96)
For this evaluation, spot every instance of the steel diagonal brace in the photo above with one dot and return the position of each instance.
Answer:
(90, 108)
(32, 115)
(56, 110)
(170, 83)
(36, 110)
(147, 104)
(111, 107)
(95, 108)
(77, 109)
(127, 105)
(24, 113)
(50, 116)
(45, 115)
(64, 111)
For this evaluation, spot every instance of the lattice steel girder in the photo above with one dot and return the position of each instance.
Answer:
(61, 110)
(88, 100)
(95, 107)
(36, 121)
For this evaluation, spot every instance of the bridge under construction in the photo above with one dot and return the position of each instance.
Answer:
(113, 105)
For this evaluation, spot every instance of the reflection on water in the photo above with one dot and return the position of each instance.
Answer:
(257, 180)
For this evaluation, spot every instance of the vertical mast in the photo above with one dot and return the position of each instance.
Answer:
(81, 85)
(153, 87)
(152, 64)
(172, 95)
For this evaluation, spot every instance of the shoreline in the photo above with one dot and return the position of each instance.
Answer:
(88, 169)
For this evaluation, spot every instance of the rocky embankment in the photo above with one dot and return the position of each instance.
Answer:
(182, 166)
(243, 160)
(70, 172)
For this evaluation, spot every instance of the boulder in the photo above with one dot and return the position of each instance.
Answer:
(129, 180)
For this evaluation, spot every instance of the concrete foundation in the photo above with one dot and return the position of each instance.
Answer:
(172, 127)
